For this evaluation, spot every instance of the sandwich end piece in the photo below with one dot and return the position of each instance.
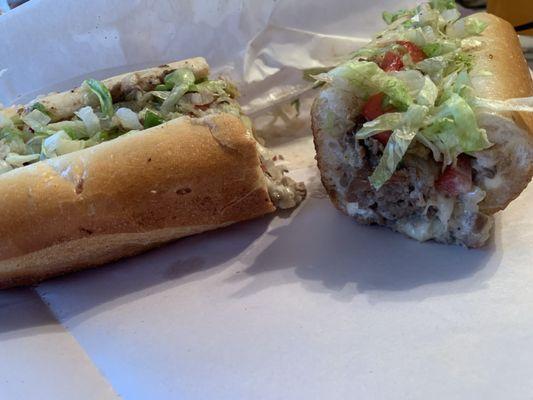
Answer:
(415, 132)
(408, 203)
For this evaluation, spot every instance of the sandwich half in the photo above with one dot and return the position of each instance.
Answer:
(427, 130)
(113, 168)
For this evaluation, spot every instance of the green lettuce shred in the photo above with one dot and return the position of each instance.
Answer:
(405, 128)
(442, 5)
(151, 119)
(433, 99)
(367, 79)
(389, 17)
(40, 107)
(104, 97)
(181, 81)
(474, 26)
(28, 135)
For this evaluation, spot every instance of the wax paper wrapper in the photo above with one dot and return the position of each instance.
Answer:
(305, 305)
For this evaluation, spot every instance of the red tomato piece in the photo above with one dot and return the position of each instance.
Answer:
(414, 51)
(391, 62)
(456, 179)
(373, 107)
(383, 137)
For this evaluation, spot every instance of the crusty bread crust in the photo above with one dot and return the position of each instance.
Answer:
(327, 147)
(126, 195)
(326, 167)
(501, 56)
(91, 251)
(63, 105)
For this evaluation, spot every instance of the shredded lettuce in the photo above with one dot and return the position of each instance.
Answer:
(28, 135)
(405, 128)
(38, 106)
(363, 53)
(458, 83)
(367, 79)
(464, 27)
(385, 122)
(398, 143)
(90, 120)
(104, 97)
(454, 130)
(4, 149)
(442, 5)
(420, 35)
(389, 17)
(474, 26)
(450, 15)
(219, 87)
(14, 140)
(460, 62)
(75, 129)
(433, 68)
(428, 93)
(152, 118)
(103, 136)
(36, 120)
(433, 99)
(180, 76)
(17, 160)
(128, 119)
(60, 143)
(160, 94)
(5, 121)
(521, 104)
(181, 80)
(439, 48)
(420, 87)
(5, 167)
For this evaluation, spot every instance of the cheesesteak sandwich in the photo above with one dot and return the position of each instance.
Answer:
(427, 130)
(113, 168)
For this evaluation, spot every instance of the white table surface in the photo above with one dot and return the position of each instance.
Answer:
(306, 306)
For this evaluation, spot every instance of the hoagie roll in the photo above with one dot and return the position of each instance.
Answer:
(113, 168)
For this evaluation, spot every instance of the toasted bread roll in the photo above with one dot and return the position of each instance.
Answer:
(500, 72)
(128, 195)
(116, 167)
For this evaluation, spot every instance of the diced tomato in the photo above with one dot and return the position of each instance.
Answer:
(456, 179)
(391, 62)
(383, 137)
(414, 51)
(373, 107)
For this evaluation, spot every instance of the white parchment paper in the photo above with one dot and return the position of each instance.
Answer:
(302, 306)
(262, 44)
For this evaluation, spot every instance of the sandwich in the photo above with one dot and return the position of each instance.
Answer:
(115, 167)
(427, 129)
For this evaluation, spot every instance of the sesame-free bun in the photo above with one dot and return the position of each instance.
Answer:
(127, 195)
